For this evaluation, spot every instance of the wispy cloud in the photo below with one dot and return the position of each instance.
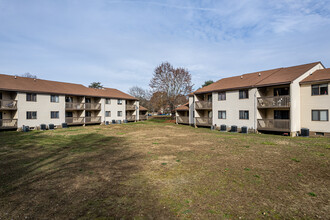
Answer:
(121, 42)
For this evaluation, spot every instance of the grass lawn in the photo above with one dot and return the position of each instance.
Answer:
(160, 170)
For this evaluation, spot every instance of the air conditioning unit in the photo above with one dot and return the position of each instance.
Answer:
(64, 125)
(304, 132)
(113, 121)
(107, 122)
(233, 128)
(51, 126)
(223, 128)
(244, 130)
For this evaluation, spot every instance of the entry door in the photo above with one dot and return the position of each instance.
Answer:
(0, 119)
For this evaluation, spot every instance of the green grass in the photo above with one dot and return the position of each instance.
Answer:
(160, 170)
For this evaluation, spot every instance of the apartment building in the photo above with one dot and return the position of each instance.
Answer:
(277, 100)
(182, 114)
(143, 113)
(32, 102)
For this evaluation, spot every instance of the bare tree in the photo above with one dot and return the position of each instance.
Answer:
(29, 75)
(96, 85)
(173, 82)
(142, 94)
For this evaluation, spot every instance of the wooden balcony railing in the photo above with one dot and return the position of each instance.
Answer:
(142, 117)
(203, 105)
(8, 104)
(203, 121)
(93, 106)
(182, 119)
(274, 102)
(274, 124)
(130, 117)
(74, 120)
(95, 119)
(8, 123)
(74, 105)
(130, 107)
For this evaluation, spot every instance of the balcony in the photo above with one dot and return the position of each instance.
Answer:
(93, 106)
(201, 105)
(274, 125)
(93, 120)
(274, 102)
(203, 121)
(8, 104)
(8, 123)
(74, 106)
(142, 117)
(130, 108)
(130, 118)
(182, 119)
(74, 120)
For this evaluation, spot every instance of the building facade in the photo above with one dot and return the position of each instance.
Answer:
(32, 102)
(277, 100)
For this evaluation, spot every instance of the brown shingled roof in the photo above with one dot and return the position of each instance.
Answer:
(24, 84)
(184, 107)
(141, 108)
(318, 76)
(258, 79)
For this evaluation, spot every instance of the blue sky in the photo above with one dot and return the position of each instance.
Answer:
(119, 43)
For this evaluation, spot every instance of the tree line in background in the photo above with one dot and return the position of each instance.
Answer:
(169, 88)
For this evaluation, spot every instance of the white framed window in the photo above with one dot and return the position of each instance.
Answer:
(320, 115)
(221, 114)
(120, 102)
(320, 89)
(107, 113)
(31, 115)
(243, 114)
(119, 113)
(54, 98)
(54, 114)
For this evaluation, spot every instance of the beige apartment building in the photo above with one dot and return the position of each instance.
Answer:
(32, 102)
(280, 100)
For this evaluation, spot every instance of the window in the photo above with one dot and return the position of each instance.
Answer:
(69, 99)
(120, 102)
(222, 114)
(107, 101)
(244, 94)
(88, 114)
(54, 98)
(31, 115)
(88, 100)
(69, 114)
(119, 113)
(108, 114)
(320, 89)
(243, 114)
(209, 98)
(320, 115)
(31, 97)
(221, 96)
(55, 114)
(281, 114)
(281, 91)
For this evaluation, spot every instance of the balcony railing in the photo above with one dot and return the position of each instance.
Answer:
(130, 107)
(130, 118)
(96, 119)
(93, 106)
(8, 123)
(182, 119)
(203, 121)
(8, 104)
(142, 117)
(274, 124)
(203, 105)
(74, 120)
(274, 102)
(74, 105)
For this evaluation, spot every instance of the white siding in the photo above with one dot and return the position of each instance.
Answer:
(309, 103)
(113, 107)
(43, 107)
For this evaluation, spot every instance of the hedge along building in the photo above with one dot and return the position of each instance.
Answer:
(270, 100)
(32, 102)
